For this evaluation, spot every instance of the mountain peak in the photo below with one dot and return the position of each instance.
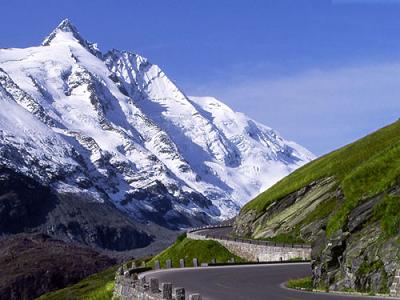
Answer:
(66, 26)
(117, 130)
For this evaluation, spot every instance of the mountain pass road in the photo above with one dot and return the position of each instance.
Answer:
(245, 282)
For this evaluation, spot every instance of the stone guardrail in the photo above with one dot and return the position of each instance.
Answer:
(129, 286)
(255, 250)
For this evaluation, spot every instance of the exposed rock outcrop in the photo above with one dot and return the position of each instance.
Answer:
(359, 257)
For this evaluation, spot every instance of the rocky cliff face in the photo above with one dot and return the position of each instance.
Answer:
(288, 216)
(357, 257)
(351, 217)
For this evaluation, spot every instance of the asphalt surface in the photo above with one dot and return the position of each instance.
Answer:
(252, 282)
(223, 231)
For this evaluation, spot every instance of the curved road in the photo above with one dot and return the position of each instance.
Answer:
(252, 282)
(223, 231)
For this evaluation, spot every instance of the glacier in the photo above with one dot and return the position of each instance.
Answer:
(113, 127)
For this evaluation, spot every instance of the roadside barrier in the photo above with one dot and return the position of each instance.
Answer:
(129, 286)
(253, 250)
(243, 240)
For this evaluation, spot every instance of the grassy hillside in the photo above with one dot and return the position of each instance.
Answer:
(362, 169)
(96, 287)
(188, 249)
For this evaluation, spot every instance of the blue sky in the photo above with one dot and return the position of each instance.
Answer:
(322, 73)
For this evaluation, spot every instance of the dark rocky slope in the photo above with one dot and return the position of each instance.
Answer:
(28, 206)
(347, 205)
(49, 240)
(33, 264)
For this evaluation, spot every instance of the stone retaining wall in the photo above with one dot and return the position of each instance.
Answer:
(257, 250)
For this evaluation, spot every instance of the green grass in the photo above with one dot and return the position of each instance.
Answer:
(362, 169)
(388, 211)
(95, 287)
(285, 238)
(296, 259)
(323, 210)
(370, 178)
(188, 249)
(301, 283)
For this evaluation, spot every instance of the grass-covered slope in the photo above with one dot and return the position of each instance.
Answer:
(95, 287)
(362, 169)
(188, 249)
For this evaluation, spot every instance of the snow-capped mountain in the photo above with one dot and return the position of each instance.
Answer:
(113, 127)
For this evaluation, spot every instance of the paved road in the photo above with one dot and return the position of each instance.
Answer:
(256, 282)
(223, 231)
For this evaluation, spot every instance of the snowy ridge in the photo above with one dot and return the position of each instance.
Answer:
(113, 125)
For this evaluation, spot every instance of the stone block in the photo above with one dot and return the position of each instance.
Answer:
(195, 297)
(195, 262)
(157, 265)
(181, 263)
(154, 285)
(168, 264)
(166, 290)
(179, 293)
(213, 261)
